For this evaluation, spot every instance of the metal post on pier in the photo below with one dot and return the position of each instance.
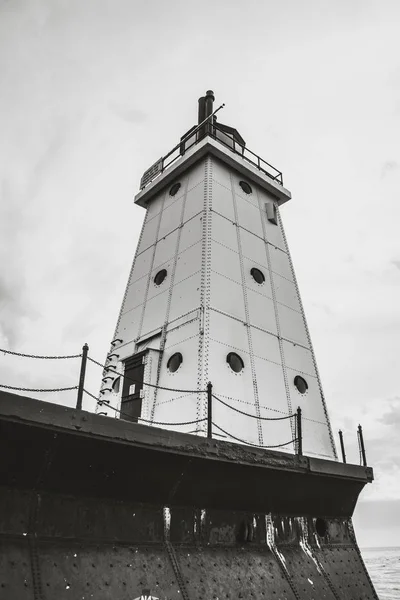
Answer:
(342, 445)
(85, 350)
(362, 447)
(299, 433)
(209, 410)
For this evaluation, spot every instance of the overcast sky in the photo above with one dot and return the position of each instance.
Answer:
(94, 91)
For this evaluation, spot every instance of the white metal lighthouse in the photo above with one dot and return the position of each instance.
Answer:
(212, 297)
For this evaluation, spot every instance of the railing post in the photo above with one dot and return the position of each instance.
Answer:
(362, 447)
(299, 433)
(209, 410)
(85, 350)
(342, 445)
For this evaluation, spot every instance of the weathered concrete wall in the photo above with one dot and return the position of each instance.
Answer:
(56, 547)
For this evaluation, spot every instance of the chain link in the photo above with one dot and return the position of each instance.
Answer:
(39, 356)
(21, 389)
(249, 443)
(253, 416)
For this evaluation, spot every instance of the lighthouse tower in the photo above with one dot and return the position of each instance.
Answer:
(179, 498)
(212, 297)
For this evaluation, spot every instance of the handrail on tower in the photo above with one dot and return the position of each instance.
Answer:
(223, 134)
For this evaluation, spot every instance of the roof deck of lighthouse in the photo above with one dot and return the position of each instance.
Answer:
(212, 287)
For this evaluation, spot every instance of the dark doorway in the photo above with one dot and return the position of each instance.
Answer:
(131, 405)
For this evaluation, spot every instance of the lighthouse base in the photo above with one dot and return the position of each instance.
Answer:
(97, 508)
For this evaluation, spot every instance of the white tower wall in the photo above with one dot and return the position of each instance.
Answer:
(208, 237)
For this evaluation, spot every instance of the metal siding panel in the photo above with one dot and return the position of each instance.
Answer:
(286, 293)
(197, 173)
(170, 218)
(224, 231)
(264, 289)
(155, 312)
(194, 202)
(253, 247)
(228, 331)
(185, 296)
(188, 262)
(180, 408)
(191, 232)
(173, 406)
(280, 263)
(243, 428)
(165, 249)
(126, 350)
(17, 571)
(292, 325)
(149, 234)
(261, 311)
(273, 232)
(135, 294)
(93, 572)
(182, 333)
(265, 345)
(128, 326)
(169, 200)
(155, 205)
(277, 433)
(251, 198)
(316, 439)
(308, 577)
(350, 579)
(298, 358)
(142, 266)
(220, 173)
(249, 217)
(310, 402)
(155, 290)
(271, 387)
(222, 201)
(227, 296)
(225, 262)
(221, 568)
(184, 319)
(227, 383)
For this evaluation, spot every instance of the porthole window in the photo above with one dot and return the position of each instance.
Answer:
(174, 189)
(257, 275)
(321, 526)
(301, 384)
(160, 276)
(246, 187)
(174, 362)
(235, 362)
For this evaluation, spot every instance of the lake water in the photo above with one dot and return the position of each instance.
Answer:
(383, 566)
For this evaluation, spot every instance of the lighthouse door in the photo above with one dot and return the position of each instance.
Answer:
(131, 405)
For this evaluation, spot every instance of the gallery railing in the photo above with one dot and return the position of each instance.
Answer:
(210, 127)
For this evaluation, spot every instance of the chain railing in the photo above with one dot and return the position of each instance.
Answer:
(297, 440)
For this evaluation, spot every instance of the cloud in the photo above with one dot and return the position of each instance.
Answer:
(388, 167)
(392, 416)
(126, 113)
(14, 301)
(396, 263)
